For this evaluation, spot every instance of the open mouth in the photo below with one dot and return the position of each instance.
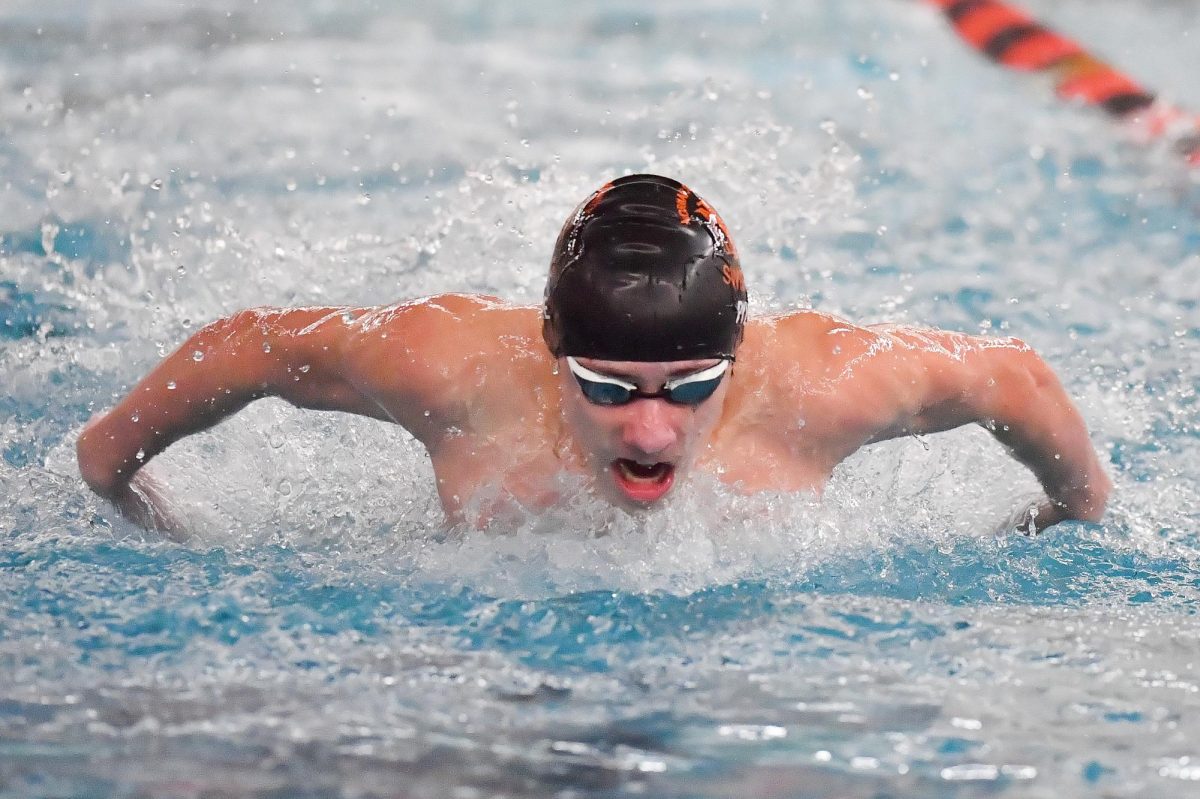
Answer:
(641, 482)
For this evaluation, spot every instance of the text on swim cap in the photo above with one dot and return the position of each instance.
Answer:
(732, 276)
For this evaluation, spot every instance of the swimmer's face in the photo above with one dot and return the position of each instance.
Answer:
(637, 448)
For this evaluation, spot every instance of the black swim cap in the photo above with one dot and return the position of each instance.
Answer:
(644, 270)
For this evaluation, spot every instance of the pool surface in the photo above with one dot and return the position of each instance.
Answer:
(321, 634)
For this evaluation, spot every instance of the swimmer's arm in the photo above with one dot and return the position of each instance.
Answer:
(296, 355)
(944, 380)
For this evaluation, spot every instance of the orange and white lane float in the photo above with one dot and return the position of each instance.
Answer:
(1011, 37)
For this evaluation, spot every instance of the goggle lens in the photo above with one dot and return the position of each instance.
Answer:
(604, 393)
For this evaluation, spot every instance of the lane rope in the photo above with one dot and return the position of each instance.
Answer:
(1011, 37)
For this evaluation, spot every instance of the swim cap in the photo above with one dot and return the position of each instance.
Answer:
(644, 270)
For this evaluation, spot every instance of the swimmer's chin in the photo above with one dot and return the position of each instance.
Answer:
(642, 484)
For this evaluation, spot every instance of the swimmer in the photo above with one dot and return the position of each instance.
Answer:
(640, 370)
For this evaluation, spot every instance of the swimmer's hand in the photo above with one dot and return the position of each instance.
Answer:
(1032, 518)
(139, 497)
(144, 502)
(1038, 515)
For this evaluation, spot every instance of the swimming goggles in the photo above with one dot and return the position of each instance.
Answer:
(690, 389)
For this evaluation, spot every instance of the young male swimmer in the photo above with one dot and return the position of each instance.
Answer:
(640, 370)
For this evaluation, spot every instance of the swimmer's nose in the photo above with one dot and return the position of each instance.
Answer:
(648, 429)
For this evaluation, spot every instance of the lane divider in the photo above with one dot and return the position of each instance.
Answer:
(1010, 36)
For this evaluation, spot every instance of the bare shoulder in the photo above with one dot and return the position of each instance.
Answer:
(854, 381)
(832, 345)
(814, 343)
(432, 358)
(437, 324)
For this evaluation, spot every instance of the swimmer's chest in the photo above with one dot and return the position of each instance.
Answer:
(764, 460)
(473, 475)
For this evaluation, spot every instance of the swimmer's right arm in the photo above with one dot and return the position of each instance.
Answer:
(296, 355)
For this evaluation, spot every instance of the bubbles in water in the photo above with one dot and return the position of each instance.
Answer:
(334, 575)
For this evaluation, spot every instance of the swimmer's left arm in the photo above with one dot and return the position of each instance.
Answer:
(944, 380)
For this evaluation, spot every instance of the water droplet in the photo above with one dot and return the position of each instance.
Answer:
(180, 270)
(197, 356)
(170, 385)
(864, 93)
(134, 418)
(426, 414)
(141, 455)
(290, 185)
(893, 76)
(266, 346)
(305, 368)
(156, 184)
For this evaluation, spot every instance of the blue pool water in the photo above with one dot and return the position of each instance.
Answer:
(321, 634)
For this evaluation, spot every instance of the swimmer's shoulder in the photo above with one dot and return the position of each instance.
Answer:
(446, 323)
(805, 335)
(440, 342)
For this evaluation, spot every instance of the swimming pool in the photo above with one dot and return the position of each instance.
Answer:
(322, 635)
